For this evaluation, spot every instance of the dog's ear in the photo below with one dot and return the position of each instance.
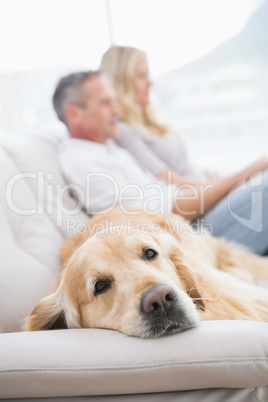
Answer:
(47, 314)
(55, 311)
(189, 278)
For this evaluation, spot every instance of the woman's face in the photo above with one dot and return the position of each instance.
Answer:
(142, 83)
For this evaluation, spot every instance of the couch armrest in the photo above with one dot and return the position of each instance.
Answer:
(215, 354)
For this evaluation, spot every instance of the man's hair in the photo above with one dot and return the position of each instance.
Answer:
(69, 90)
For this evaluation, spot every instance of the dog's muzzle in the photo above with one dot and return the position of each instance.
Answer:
(162, 313)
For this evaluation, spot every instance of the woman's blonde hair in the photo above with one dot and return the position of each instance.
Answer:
(119, 64)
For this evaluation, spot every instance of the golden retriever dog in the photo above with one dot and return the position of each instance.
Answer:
(148, 276)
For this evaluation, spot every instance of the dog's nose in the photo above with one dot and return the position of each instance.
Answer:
(160, 298)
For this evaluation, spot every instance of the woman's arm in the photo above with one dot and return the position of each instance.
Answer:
(171, 177)
(194, 201)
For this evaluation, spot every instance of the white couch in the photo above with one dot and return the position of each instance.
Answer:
(216, 361)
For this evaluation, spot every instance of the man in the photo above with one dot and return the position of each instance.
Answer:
(106, 175)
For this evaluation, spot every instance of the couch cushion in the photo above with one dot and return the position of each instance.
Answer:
(35, 215)
(30, 247)
(259, 394)
(36, 157)
(215, 354)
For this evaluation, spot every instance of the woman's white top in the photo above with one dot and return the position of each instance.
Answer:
(157, 153)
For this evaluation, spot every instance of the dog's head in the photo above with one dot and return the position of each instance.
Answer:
(126, 280)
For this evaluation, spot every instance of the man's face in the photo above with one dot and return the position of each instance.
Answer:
(97, 119)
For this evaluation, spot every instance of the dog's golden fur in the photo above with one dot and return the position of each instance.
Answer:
(194, 276)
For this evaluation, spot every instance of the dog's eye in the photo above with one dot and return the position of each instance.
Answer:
(101, 286)
(150, 254)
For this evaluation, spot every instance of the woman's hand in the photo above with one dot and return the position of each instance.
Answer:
(212, 177)
(171, 177)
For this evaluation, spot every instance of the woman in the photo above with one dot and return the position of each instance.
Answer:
(140, 133)
(164, 155)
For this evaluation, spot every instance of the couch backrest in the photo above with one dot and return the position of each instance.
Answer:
(34, 221)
